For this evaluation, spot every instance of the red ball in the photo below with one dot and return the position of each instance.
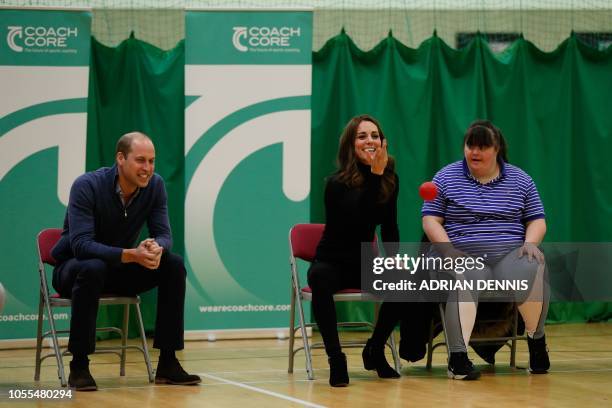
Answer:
(428, 191)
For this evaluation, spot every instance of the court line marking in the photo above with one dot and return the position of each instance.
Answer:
(222, 381)
(261, 390)
(414, 370)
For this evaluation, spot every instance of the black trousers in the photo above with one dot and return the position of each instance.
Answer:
(84, 281)
(325, 279)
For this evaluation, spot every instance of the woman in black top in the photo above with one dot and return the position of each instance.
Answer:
(359, 196)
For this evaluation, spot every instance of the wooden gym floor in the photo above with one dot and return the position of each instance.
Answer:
(245, 373)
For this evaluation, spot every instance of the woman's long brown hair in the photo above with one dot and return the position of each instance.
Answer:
(348, 172)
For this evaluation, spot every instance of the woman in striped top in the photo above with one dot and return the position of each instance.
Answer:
(488, 207)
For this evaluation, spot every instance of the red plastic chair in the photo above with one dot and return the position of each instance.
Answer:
(45, 241)
(303, 241)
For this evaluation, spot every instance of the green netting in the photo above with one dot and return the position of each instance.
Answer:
(546, 23)
(532, 96)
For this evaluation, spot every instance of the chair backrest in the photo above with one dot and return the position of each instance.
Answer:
(46, 240)
(304, 238)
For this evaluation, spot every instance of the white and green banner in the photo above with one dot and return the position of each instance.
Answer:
(247, 162)
(44, 69)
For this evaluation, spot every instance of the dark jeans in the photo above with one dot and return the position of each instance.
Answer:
(84, 281)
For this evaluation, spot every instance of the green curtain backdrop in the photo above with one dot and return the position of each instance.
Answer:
(136, 86)
(552, 108)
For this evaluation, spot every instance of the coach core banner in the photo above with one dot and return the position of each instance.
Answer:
(247, 162)
(44, 70)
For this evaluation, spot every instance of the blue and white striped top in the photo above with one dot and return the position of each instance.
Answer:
(485, 218)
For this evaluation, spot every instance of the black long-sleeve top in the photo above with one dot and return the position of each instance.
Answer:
(352, 214)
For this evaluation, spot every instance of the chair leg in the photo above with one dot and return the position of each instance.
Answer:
(396, 360)
(39, 338)
(144, 343)
(291, 329)
(55, 344)
(441, 309)
(124, 335)
(430, 345)
(307, 352)
(514, 337)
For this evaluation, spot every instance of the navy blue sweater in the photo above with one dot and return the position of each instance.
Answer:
(98, 226)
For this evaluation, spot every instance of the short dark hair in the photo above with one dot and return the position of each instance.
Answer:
(124, 144)
(483, 133)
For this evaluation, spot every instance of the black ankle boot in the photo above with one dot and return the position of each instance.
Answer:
(374, 359)
(338, 372)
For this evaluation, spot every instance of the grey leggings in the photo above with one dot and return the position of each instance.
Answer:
(511, 267)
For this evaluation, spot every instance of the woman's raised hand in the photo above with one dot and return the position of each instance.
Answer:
(379, 162)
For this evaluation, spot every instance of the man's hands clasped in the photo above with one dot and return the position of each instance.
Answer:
(148, 254)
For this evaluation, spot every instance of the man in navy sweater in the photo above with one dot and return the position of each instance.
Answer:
(97, 254)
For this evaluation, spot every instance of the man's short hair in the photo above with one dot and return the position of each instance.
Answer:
(124, 144)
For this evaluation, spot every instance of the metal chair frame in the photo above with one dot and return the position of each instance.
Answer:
(509, 341)
(300, 294)
(45, 241)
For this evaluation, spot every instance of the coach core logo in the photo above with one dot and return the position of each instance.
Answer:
(264, 39)
(239, 32)
(40, 38)
(14, 31)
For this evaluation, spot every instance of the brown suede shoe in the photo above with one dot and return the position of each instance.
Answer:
(81, 380)
(172, 373)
